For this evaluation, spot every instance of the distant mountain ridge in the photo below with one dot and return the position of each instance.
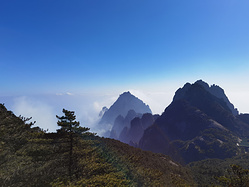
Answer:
(125, 103)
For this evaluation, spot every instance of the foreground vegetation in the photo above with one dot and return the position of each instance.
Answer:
(74, 157)
(216, 172)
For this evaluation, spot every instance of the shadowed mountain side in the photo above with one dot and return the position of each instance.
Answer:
(211, 143)
(120, 123)
(181, 121)
(133, 134)
(195, 126)
(187, 134)
(219, 93)
(148, 119)
(215, 108)
(155, 140)
(244, 118)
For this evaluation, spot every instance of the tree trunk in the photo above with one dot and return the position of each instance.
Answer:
(70, 156)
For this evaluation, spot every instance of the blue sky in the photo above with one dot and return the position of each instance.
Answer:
(79, 46)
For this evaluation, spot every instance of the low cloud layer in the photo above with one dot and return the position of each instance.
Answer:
(44, 108)
(40, 112)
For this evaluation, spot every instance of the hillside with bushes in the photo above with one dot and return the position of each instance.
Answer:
(32, 157)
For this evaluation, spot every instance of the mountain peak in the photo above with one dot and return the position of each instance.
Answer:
(203, 84)
(126, 93)
(125, 103)
(200, 123)
(214, 90)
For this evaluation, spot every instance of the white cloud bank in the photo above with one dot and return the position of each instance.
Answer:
(40, 112)
(44, 108)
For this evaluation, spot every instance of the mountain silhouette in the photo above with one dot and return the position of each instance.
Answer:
(215, 107)
(215, 90)
(120, 108)
(196, 125)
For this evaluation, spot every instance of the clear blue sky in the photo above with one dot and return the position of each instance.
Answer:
(58, 45)
(151, 47)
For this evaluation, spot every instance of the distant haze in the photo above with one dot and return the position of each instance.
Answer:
(44, 107)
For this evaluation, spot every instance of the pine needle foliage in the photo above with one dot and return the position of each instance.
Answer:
(70, 131)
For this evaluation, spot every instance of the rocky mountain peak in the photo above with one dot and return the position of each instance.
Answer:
(128, 93)
(200, 123)
(198, 88)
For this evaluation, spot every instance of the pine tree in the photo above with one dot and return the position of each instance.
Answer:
(71, 129)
